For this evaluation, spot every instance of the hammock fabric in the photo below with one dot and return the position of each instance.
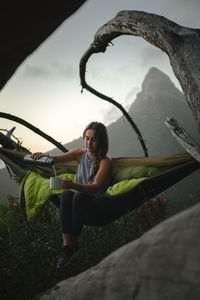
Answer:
(36, 192)
(135, 180)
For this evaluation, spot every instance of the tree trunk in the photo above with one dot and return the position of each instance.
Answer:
(181, 44)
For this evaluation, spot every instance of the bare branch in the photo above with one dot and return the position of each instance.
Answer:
(84, 84)
(181, 44)
(10, 132)
(12, 164)
(183, 138)
(6, 142)
(34, 129)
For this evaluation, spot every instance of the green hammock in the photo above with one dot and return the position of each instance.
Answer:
(134, 180)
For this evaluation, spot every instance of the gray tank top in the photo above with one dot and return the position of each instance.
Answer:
(85, 169)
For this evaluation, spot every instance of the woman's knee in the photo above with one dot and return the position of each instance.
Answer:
(66, 198)
(67, 195)
(77, 199)
(82, 201)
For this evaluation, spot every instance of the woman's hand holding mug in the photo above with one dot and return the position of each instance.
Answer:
(67, 183)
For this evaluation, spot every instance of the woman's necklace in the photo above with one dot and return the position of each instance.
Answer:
(90, 162)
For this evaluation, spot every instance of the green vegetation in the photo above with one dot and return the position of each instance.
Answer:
(27, 250)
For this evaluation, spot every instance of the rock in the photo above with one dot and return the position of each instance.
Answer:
(24, 27)
(162, 264)
(157, 84)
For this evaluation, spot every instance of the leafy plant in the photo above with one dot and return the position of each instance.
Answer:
(27, 250)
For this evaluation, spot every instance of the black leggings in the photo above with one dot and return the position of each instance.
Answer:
(72, 211)
(78, 209)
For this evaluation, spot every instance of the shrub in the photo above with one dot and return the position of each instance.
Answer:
(27, 250)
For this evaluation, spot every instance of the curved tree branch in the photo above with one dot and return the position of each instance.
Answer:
(84, 84)
(181, 44)
(34, 129)
(183, 138)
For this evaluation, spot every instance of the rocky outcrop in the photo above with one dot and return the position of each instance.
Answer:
(156, 83)
(24, 26)
(158, 99)
(162, 264)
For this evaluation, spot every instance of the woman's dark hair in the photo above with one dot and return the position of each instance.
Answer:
(102, 138)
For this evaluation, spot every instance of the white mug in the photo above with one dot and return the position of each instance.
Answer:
(55, 183)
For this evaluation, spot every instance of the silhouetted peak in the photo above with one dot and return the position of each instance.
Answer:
(158, 95)
(156, 81)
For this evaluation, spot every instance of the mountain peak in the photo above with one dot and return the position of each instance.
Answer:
(158, 91)
(158, 83)
(155, 80)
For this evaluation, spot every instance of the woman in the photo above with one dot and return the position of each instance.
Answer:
(92, 180)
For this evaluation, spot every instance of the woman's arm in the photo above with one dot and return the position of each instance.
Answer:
(105, 169)
(71, 155)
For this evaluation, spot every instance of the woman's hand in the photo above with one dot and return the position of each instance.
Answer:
(67, 183)
(38, 155)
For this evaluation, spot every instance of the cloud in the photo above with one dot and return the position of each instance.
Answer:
(35, 72)
(99, 72)
(150, 55)
(183, 12)
(130, 98)
(176, 3)
(67, 71)
(111, 115)
(55, 69)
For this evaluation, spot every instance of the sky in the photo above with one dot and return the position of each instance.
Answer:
(45, 90)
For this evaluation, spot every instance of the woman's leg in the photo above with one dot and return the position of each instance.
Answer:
(79, 209)
(92, 211)
(66, 217)
(67, 250)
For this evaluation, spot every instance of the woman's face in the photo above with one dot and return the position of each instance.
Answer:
(91, 142)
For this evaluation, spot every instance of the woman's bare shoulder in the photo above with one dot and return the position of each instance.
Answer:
(78, 152)
(109, 157)
(105, 166)
(107, 160)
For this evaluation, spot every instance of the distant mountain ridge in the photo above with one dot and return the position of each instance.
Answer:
(158, 99)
